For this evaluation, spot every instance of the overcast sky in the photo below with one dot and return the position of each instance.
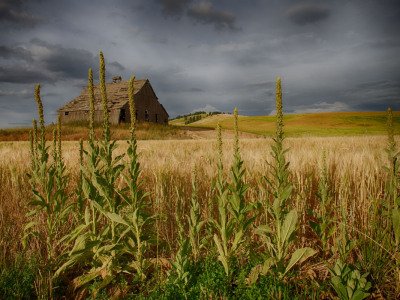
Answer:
(332, 55)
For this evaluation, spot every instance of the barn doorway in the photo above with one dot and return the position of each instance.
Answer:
(146, 115)
(122, 116)
(156, 118)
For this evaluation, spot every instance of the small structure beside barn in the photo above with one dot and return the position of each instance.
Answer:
(148, 108)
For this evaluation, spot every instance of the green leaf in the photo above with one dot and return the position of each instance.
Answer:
(261, 269)
(87, 215)
(299, 256)
(237, 240)
(116, 218)
(359, 295)
(339, 288)
(289, 226)
(83, 279)
(106, 281)
(30, 225)
(222, 257)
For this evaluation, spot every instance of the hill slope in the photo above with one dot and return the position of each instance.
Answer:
(315, 124)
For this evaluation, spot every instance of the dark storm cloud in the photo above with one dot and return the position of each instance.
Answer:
(384, 91)
(15, 52)
(306, 13)
(19, 74)
(377, 106)
(66, 62)
(49, 63)
(173, 7)
(12, 11)
(380, 84)
(204, 12)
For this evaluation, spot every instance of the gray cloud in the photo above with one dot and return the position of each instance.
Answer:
(46, 62)
(173, 7)
(196, 90)
(65, 62)
(19, 94)
(383, 91)
(206, 108)
(261, 85)
(19, 74)
(15, 52)
(12, 11)
(117, 66)
(306, 13)
(204, 12)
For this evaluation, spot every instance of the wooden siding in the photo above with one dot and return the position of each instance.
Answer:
(146, 100)
(83, 116)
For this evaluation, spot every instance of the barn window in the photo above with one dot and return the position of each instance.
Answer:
(156, 118)
(66, 113)
(146, 115)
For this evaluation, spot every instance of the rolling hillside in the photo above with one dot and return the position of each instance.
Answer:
(315, 124)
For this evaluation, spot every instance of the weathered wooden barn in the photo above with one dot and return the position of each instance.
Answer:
(148, 108)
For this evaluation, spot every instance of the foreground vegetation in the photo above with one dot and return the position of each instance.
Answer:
(183, 220)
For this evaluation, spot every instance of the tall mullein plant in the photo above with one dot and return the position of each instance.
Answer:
(90, 233)
(49, 208)
(92, 163)
(280, 187)
(136, 216)
(280, 184)
(112, 166)
(182, 260)
(239, 208)
(233, 220)
(223, 227)
(100, 234)
(324, 223)
(62, 177)
(195, 221)
(279, 232)
(393, 182)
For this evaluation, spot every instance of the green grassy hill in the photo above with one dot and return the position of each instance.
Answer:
(315, 124)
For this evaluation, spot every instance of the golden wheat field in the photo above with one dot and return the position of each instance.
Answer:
(356, 162)
(355, 166)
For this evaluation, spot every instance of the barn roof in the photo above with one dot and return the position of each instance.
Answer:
(117, 96)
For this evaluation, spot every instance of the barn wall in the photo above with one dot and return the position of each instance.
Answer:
(83, 116)
(114, 116)
(147, 100)
(74, 116)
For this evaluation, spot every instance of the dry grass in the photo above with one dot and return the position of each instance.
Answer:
(355, 165)
(77, 131)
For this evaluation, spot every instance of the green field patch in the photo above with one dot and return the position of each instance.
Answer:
(315, 124)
